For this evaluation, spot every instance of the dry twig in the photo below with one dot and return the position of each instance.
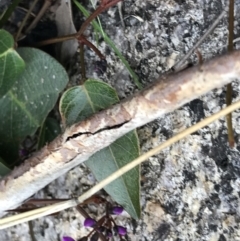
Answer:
(83, 139)
(31, 215)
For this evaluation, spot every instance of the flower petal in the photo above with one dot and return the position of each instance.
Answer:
(66, 238)
(89, 222)
(117, 210)
(121, 230)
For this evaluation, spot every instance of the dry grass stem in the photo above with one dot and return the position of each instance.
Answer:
(31, 215)
(83, 139)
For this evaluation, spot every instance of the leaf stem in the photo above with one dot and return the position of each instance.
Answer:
(46, 5)
(98, 28)
(25, 20)
(31, 231)
(91, 46)
(98, 11)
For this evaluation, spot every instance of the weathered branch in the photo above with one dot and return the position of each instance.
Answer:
(84, 139)
(59, 206)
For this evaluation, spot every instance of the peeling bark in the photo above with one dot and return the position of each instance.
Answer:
(83, 139)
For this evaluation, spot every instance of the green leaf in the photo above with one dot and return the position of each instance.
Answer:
(32, 97)
(6, 41)
(49, 131)
(126, 189)
(80, 102)
(11, 64)
(4, 170)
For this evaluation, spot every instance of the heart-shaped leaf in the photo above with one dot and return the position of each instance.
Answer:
(11, 64)
(80, 102)
(25, 106)
(126, 189)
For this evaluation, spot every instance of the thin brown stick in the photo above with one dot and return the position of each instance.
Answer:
(229, 86)
(31, 231)
(46, 5)
(98, 11)
(231, 25)
(25, 20)
(82, 211)
(83, 40)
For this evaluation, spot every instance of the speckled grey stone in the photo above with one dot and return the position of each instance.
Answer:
(191, 190)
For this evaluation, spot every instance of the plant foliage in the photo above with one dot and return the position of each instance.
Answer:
(80, 102)
(30, 84)
(31, 97)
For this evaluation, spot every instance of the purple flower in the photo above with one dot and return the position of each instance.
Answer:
(89, 222)
(66, 238)
(117, 210)
(121, 230)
